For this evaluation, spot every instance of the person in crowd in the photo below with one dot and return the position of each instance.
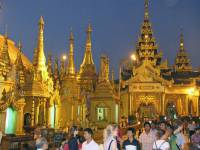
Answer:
(147, 138)
(110, 142)
(153, 127)
(41, 144)
(160, 144)
(64, 144)
(169, 135)
(118, 137)
(191, 128)
(195, 139)
(131, 142)
(162, 125)
(73, 141)
(37, 133)
(181, 142)
(89, 144)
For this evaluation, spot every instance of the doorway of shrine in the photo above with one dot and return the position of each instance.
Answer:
(171, 110)
(147, 111)
(27, 119)
(11, 120)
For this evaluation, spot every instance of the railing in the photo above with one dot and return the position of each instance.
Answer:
(12, 142)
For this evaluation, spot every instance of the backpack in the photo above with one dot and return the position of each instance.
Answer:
(159, 148)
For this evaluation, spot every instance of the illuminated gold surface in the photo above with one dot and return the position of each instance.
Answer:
(13, 51)
(74, 97)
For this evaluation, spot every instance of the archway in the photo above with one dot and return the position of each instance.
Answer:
(11, 120)
(103, 113)
(147, 111)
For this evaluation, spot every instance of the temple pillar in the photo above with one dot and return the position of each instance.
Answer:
(72, 111)
(37, 111)
(197, 105)
(186, 105)
(58, 117)
(20, 117)
(44, 114)
(163, 104)
(33, 113)
(3, 120)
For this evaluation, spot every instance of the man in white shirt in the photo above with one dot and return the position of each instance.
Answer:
(89, 144)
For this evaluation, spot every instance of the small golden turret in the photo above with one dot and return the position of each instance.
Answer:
(4, 55)
(88, 48)
(87, 66)
(20, 72)
(49, 65)
(56, 69)
(70, 65)
(62, 67)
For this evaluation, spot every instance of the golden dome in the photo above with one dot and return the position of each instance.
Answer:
(13, 51)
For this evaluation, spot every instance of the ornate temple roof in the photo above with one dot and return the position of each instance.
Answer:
(147, 48)
(13, 51)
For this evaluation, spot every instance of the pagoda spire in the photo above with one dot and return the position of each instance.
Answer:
(182, 62)
(62, 68)
(56, 69)
(39, 60)
(4, 54)
(146, 47)
(88, 48)
(70, 65)
(146, 13)
(182, 48)
(18, 60)
(87, 66)
(104, 69)
(19, 66)
(49, 65)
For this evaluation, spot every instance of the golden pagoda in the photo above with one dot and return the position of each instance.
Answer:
(87, 74)
(55, 94)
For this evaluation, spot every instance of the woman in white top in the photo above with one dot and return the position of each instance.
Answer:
(159, 143)
(110, 132)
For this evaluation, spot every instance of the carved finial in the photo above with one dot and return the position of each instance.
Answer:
(41, 22)
(6, 31)
(146, 13)
(20, 46)
(181, 40)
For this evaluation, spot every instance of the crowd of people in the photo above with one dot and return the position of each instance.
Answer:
(153, 136)
(178, 134)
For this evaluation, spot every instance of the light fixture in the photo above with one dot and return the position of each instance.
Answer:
(64, 57)
(133, 57)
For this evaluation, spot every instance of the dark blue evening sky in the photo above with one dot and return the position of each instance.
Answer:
(116, 25)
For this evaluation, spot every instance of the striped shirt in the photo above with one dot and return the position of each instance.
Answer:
(147, 140)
